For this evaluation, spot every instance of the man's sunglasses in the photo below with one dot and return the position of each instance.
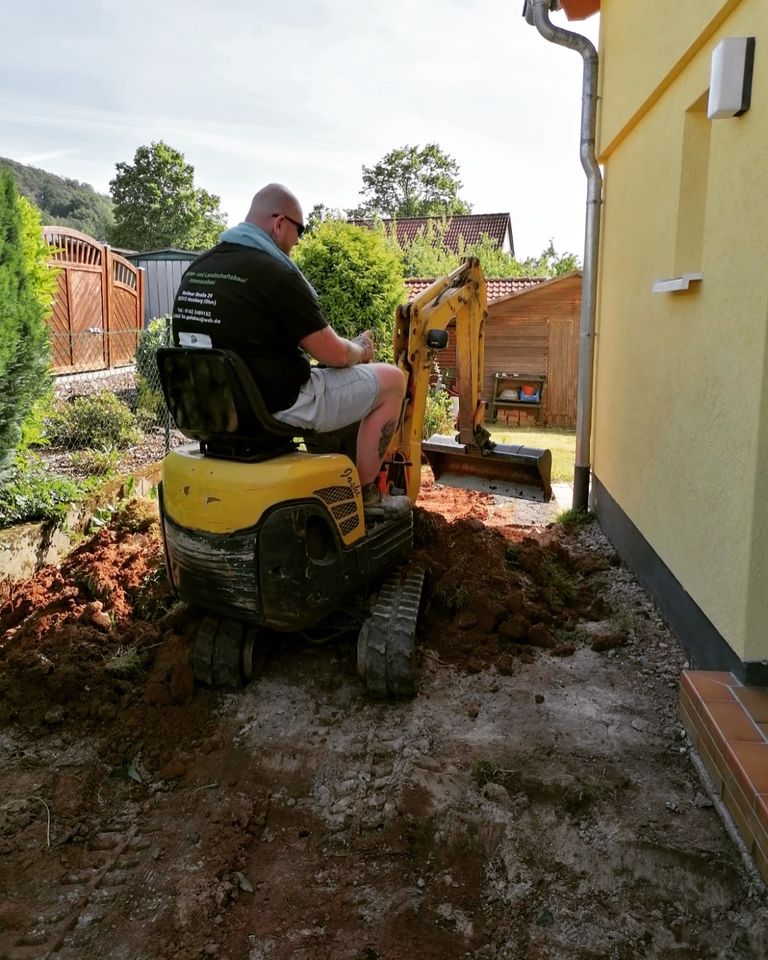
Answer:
(300, 227)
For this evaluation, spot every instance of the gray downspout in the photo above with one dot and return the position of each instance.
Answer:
(538, 11)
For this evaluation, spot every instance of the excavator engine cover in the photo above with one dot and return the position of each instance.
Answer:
(505, 470)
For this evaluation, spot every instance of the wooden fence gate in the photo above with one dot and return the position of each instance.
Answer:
(98, 313)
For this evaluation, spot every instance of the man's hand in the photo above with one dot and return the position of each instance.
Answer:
(329, 348)
(365, 340)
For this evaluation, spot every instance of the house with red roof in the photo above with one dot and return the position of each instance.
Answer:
(470, 227)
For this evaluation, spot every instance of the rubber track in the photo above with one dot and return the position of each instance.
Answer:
(217, 653)
(202, 657)
(391, 636)
(227, 655)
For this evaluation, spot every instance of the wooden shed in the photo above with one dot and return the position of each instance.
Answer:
(532, 332)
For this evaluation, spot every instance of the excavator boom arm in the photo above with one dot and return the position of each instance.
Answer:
(461, 297)
(458, 298)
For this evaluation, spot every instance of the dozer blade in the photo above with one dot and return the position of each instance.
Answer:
(506, 470)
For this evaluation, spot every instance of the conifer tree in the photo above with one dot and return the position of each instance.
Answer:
(26, 296)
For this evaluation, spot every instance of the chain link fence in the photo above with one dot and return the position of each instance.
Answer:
(100, 421)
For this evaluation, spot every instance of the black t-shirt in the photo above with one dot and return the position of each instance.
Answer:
(250, 302)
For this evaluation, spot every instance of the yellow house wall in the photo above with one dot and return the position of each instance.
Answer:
(680, 434)
(650, 43)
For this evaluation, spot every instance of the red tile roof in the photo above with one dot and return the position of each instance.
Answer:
(471, 227)
(496, 289)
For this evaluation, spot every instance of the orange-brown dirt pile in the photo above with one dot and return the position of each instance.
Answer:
(523, 805)
(497, 594)
(83, 634)
(78, 634)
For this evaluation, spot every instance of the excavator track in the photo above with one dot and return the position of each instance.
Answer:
(225, 655)
(386, 646)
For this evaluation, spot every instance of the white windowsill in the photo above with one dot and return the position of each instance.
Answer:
(676, 283)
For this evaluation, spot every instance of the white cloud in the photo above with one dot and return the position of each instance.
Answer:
(305, 93)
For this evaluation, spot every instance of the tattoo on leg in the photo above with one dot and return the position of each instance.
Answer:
(387, 432)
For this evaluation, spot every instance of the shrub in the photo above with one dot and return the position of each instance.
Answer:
(31, 492)
(156, 334)
(357, 274)
(96, 463)
(27, 287)
(438, 413)
(34, 426)
(98, 422)
(150, 405)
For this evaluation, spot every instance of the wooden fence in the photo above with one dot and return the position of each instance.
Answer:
(98, 313)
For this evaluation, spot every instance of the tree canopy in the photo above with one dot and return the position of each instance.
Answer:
(63, 202)
(411, 182)
(357, 274)
(427, 256)
(157, 204)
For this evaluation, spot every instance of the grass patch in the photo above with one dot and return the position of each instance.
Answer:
(424, 527)
(575, 517)
(571, 636)
(558, 586)
(451, 596)
(625, 622)
(151, 600)
(90, 585)
(560, 441)
(486, 771)
(579, 798)
(125, 662)
(512, 554)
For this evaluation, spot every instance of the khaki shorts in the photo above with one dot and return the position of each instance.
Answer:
(333, 398)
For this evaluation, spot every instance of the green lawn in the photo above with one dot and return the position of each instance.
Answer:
(561, 442)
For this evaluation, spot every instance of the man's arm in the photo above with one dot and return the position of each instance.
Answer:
(327, 347)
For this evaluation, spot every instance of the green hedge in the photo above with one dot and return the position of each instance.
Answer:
(27, 287)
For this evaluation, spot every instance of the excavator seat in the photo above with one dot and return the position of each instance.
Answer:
(213, 399)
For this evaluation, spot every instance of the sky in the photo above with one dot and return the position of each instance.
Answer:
(306, 93)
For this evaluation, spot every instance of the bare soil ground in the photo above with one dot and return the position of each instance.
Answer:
(535, 800)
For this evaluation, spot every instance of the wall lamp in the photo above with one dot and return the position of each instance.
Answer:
(730, 80)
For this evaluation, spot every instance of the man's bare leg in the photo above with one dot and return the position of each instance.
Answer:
(376, 430)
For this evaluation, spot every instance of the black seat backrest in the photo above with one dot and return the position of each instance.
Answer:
(213, 399)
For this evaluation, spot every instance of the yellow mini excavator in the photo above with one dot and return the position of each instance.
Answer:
(264, 531)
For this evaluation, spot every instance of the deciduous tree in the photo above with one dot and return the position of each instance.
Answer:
(427, 256)
(157, 205)
(412, 182)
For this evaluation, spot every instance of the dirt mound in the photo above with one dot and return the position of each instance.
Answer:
(88, 634)
(79, 635)
(495, 595)
(534, 801)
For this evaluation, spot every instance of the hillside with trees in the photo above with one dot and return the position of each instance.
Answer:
(63, 202)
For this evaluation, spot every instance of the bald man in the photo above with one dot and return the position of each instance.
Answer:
(247, 295)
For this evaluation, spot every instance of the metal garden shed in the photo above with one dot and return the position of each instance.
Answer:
(163, 270)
